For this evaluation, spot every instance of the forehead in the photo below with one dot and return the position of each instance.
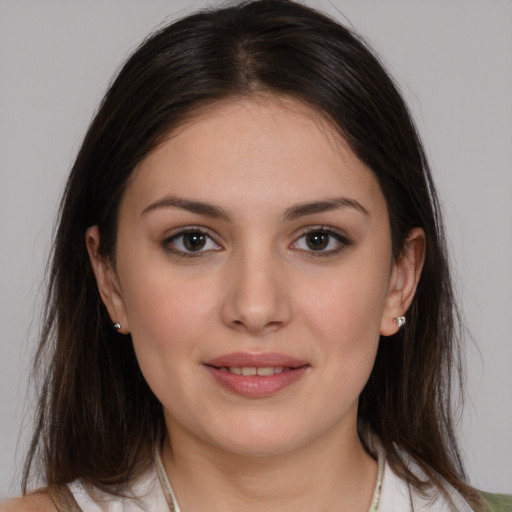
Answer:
(243, 151)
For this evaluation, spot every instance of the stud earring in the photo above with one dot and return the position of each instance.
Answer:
(400, 320)
(117, 326)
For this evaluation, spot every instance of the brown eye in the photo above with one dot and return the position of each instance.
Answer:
(321, 242)
(194, 241)
(317, 241)
(190, 243)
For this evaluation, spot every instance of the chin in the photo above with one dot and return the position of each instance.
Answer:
(259, 440)
(259, 448)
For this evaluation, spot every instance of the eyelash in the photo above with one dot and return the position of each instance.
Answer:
(342, 241)
(167, 243)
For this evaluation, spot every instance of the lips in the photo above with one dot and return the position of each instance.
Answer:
(256, 375)
(246, 359)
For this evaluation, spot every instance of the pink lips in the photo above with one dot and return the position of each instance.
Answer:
(287, 371)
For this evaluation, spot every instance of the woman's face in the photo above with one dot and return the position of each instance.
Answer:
(254, 273)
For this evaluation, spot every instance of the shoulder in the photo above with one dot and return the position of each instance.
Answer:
(497, 502)
(39, 501)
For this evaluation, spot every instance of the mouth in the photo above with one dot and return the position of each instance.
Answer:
(249, 360)
(256, 375)
(264, 371)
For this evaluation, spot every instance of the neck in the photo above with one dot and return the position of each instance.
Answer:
(326, 475)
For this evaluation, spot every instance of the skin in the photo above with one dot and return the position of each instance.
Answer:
(258, 286)
(35, 502)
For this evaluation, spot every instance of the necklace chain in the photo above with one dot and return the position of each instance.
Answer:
(174, 507)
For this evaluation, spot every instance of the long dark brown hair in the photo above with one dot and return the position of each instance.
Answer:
(97, 419)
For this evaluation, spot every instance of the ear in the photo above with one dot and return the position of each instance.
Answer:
(106, 280)
(403, 282)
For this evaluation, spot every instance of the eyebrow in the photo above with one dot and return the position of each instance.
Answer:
(199, 207)
(302, 209)
(293, 212)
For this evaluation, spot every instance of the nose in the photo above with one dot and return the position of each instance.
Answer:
(256, 299)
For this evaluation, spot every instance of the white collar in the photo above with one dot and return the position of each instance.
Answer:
(397, 495)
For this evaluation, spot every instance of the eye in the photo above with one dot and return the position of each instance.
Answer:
(192, 242)
(323, 241)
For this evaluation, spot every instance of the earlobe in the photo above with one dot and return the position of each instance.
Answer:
(106, 281)
(403, 282)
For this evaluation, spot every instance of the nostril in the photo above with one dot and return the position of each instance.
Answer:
(255, 306)
(274, 325)
(267, 327)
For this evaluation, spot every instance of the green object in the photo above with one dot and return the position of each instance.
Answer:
(498, 502)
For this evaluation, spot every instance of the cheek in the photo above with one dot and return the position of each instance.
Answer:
(168, 317)
(347, 303)
(343, 314)
(168, 325)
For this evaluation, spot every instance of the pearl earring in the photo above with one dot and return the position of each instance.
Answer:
(400, 320)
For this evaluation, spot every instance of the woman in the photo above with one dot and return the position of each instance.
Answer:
(248, 225)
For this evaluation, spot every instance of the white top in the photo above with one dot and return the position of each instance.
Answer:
(153, 492)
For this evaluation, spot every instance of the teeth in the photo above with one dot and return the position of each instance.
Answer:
(252, 370)
(265, 371)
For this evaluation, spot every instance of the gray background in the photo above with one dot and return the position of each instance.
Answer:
(453, 61)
